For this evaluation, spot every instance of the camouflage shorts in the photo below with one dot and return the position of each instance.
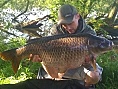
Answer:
(80, 72)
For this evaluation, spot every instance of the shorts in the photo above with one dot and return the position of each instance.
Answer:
(77, 73)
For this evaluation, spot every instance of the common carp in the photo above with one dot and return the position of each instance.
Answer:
(59, 53)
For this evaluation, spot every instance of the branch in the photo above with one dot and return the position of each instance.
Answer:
(34, 21)
(111, 30)
(10, 33)
(31, 27)
(15, 18)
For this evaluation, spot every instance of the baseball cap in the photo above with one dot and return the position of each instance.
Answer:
(66, 14)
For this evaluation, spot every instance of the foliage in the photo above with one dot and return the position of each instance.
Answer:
(26, 70)
(12, 43)
(16, 13)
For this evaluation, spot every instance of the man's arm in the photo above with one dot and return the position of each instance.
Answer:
(89, 30)
(81, 73)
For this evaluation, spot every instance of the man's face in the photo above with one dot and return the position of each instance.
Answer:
(71, 28)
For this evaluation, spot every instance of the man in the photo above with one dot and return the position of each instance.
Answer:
(70, 22)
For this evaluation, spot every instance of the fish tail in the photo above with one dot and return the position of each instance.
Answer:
(12, 56)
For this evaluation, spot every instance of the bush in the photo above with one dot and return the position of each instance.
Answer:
(27, 70)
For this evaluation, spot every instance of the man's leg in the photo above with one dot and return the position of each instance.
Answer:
(29, 84)
(44, 84)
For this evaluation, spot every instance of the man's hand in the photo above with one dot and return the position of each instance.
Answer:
(87, 63)
(35, 58)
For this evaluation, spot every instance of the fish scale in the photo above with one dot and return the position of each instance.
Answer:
(59, 53)
(65, 49)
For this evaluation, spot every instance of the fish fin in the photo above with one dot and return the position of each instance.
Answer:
(94, 65)
(15, 64)
(8, 55)
(34, 58)
(52, 71)
(93, 62)
(11, 55)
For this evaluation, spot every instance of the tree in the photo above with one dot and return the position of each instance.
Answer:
(100, 14)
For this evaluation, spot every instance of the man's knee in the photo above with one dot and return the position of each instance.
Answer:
(95, 77)
(92, 77)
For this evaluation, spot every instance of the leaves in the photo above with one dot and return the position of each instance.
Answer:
(94, 11)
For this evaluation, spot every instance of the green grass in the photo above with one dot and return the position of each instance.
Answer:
(109, 62)
(28, 70)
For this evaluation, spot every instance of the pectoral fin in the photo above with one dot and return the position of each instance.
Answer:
(93, 62)
(15, 65)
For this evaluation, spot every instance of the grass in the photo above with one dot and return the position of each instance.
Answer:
(109, 62)
(28, 70)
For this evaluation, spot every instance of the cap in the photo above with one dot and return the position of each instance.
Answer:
(66, 14)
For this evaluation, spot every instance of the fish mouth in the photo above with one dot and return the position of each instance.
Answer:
(111, 45)
(106, 46)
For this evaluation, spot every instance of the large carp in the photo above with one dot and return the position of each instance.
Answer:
(59, 53)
